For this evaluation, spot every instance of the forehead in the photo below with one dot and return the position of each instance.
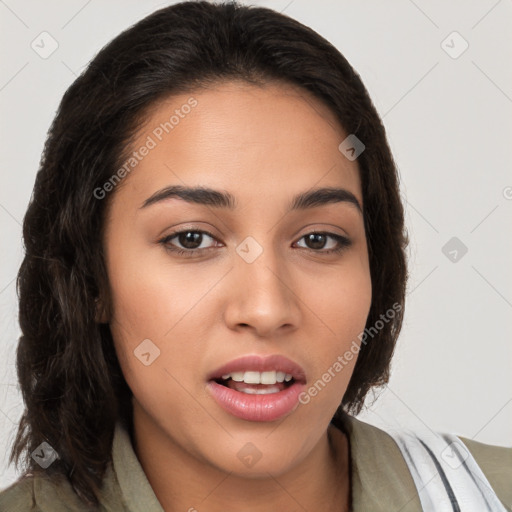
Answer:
(250, 139)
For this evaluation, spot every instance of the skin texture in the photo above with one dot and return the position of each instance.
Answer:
(264, 145)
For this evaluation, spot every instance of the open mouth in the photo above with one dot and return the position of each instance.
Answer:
(253, 388)
(258, 388)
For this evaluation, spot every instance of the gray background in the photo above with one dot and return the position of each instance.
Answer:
(449, 123)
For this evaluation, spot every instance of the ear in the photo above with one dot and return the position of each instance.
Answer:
(100, 316)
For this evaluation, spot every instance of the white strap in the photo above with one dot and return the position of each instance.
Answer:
(447, 477)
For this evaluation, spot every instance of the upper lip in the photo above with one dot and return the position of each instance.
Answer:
(257, 363)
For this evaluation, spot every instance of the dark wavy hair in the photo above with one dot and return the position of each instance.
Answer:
(70, 379)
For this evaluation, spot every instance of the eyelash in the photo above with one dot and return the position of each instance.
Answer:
(343, 242)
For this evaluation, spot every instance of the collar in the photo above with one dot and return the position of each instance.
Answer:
(380, 478)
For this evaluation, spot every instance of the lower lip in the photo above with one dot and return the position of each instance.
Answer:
(257, 407)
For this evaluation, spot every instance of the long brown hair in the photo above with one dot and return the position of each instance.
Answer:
(70, 379)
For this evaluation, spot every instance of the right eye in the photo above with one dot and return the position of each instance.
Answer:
(191, 241)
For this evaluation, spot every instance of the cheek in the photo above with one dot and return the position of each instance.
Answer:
(342, 299)
(340, 308)
(157, 315)
(340, 304)
(151, 294)
(159, 330)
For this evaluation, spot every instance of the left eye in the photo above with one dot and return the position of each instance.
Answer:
(191, 242)
(317, 239)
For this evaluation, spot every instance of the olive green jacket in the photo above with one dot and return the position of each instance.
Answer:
(381, 481)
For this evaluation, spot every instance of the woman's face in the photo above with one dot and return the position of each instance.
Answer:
(258, 284)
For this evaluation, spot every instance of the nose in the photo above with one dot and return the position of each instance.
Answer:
(261, 296)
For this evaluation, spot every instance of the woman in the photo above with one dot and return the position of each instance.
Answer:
(214, 280)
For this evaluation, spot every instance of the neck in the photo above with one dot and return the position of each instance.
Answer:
(181, 482)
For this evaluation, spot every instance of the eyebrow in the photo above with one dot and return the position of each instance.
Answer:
(222, 199)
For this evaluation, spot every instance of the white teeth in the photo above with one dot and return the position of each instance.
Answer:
(268, 378)
(251, 377)
(260, 391)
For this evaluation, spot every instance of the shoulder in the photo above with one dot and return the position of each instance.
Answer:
(19, 496)
(40, 493)
(380, 478)
(496, 464)
(376, 444)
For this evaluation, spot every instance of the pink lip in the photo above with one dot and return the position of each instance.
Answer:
(257, 407)
(249, 407)
(261, 364)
